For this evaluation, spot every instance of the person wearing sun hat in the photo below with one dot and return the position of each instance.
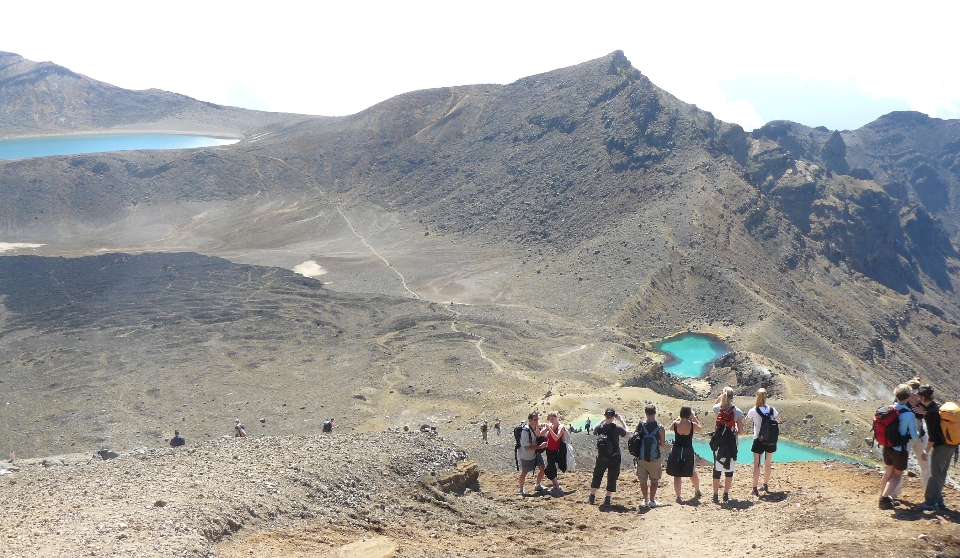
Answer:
(608, 454)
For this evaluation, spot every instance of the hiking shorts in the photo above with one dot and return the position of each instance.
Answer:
(760, 447)
(649, 470)
(897, 458)
(527, 465)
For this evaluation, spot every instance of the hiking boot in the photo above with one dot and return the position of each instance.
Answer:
(929, 507)
(756, 492)
(654, 504)
(521, 492)
(697, 494)
(592, 499)
(716, 498)
(886, 503)
(726, 497)
(679, 500)
(540, 488)
(766, 488)
(556, 491)
(606, 501)
(644, 504)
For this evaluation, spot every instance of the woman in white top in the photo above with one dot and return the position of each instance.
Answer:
(761, 447)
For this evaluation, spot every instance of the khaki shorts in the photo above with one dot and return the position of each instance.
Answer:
(649, 470)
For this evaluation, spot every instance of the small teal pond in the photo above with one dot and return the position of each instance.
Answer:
(787, 452)
(690, 354)
(98, 143)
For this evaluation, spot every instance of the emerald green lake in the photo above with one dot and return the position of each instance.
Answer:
(97, 143)
(787, 452)
(690, 354)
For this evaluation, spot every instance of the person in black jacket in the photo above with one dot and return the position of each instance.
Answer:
(937, 452)
(177, 440)
(608, 455)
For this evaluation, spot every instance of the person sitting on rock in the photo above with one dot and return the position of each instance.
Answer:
(240, 429)
(177, 440)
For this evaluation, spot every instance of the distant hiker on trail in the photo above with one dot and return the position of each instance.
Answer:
(895, 445)
(586, 425)
(527, 453)
(177, 440)
(241, 430)
(682, 458)
(608, 455)
(328, 426)
(937, 452)
(498, 426)
(483, 432)
(765, 435)
(556, 451)
(648, 460)
(916, 446)
(724, 442)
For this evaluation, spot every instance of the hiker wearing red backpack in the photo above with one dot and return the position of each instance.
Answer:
(728, 426)
(916, 446)
(937, 451)
(894, 440)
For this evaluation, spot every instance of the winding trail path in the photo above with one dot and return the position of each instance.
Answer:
(403, 280)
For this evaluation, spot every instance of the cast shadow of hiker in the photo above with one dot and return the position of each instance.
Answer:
(773, 496)
(616, 508)
(735, 504)
(912, 512)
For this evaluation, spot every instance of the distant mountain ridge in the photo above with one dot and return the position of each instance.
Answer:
(43, 97)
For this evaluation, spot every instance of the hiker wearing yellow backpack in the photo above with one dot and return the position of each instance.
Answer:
(943, 427)
(894, 437)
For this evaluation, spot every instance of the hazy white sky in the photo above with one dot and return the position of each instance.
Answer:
(833, 63)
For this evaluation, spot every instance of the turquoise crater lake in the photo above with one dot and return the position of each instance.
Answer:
(689, 354)
(24, 148)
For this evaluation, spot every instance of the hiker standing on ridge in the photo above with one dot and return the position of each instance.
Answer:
(483, 432)
(527, 453)
(608, 455)
(682, 460)
(936, 453)
(586, 425)
(498, 426)
(730, 423)
(648, 462)
(895, 453)
(764, 443)
(328, 426)
(916, 446)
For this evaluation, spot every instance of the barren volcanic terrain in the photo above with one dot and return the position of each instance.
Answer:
(445, 257)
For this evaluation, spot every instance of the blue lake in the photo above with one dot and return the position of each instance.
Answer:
(97, 143)
(689, 354)
(787, 452)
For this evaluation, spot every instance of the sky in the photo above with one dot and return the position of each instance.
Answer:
(839, 64)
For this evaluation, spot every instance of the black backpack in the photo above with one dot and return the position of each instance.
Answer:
(769, 427)
(606, 447)
(517, 433)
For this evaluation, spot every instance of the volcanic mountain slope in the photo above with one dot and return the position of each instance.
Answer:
(585, 205)
(45, 98)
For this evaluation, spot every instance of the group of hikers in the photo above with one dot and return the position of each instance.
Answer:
(918, 424)
(648, 446)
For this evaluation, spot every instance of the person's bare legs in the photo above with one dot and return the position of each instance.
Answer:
(756, 469)
(695, 480)
(767, 467)
(727, 483)
(892, 482)
(887, 473)
(654, 484)
(676, 485)
(643, 490)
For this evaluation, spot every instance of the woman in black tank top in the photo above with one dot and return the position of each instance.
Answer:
(681, 461)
